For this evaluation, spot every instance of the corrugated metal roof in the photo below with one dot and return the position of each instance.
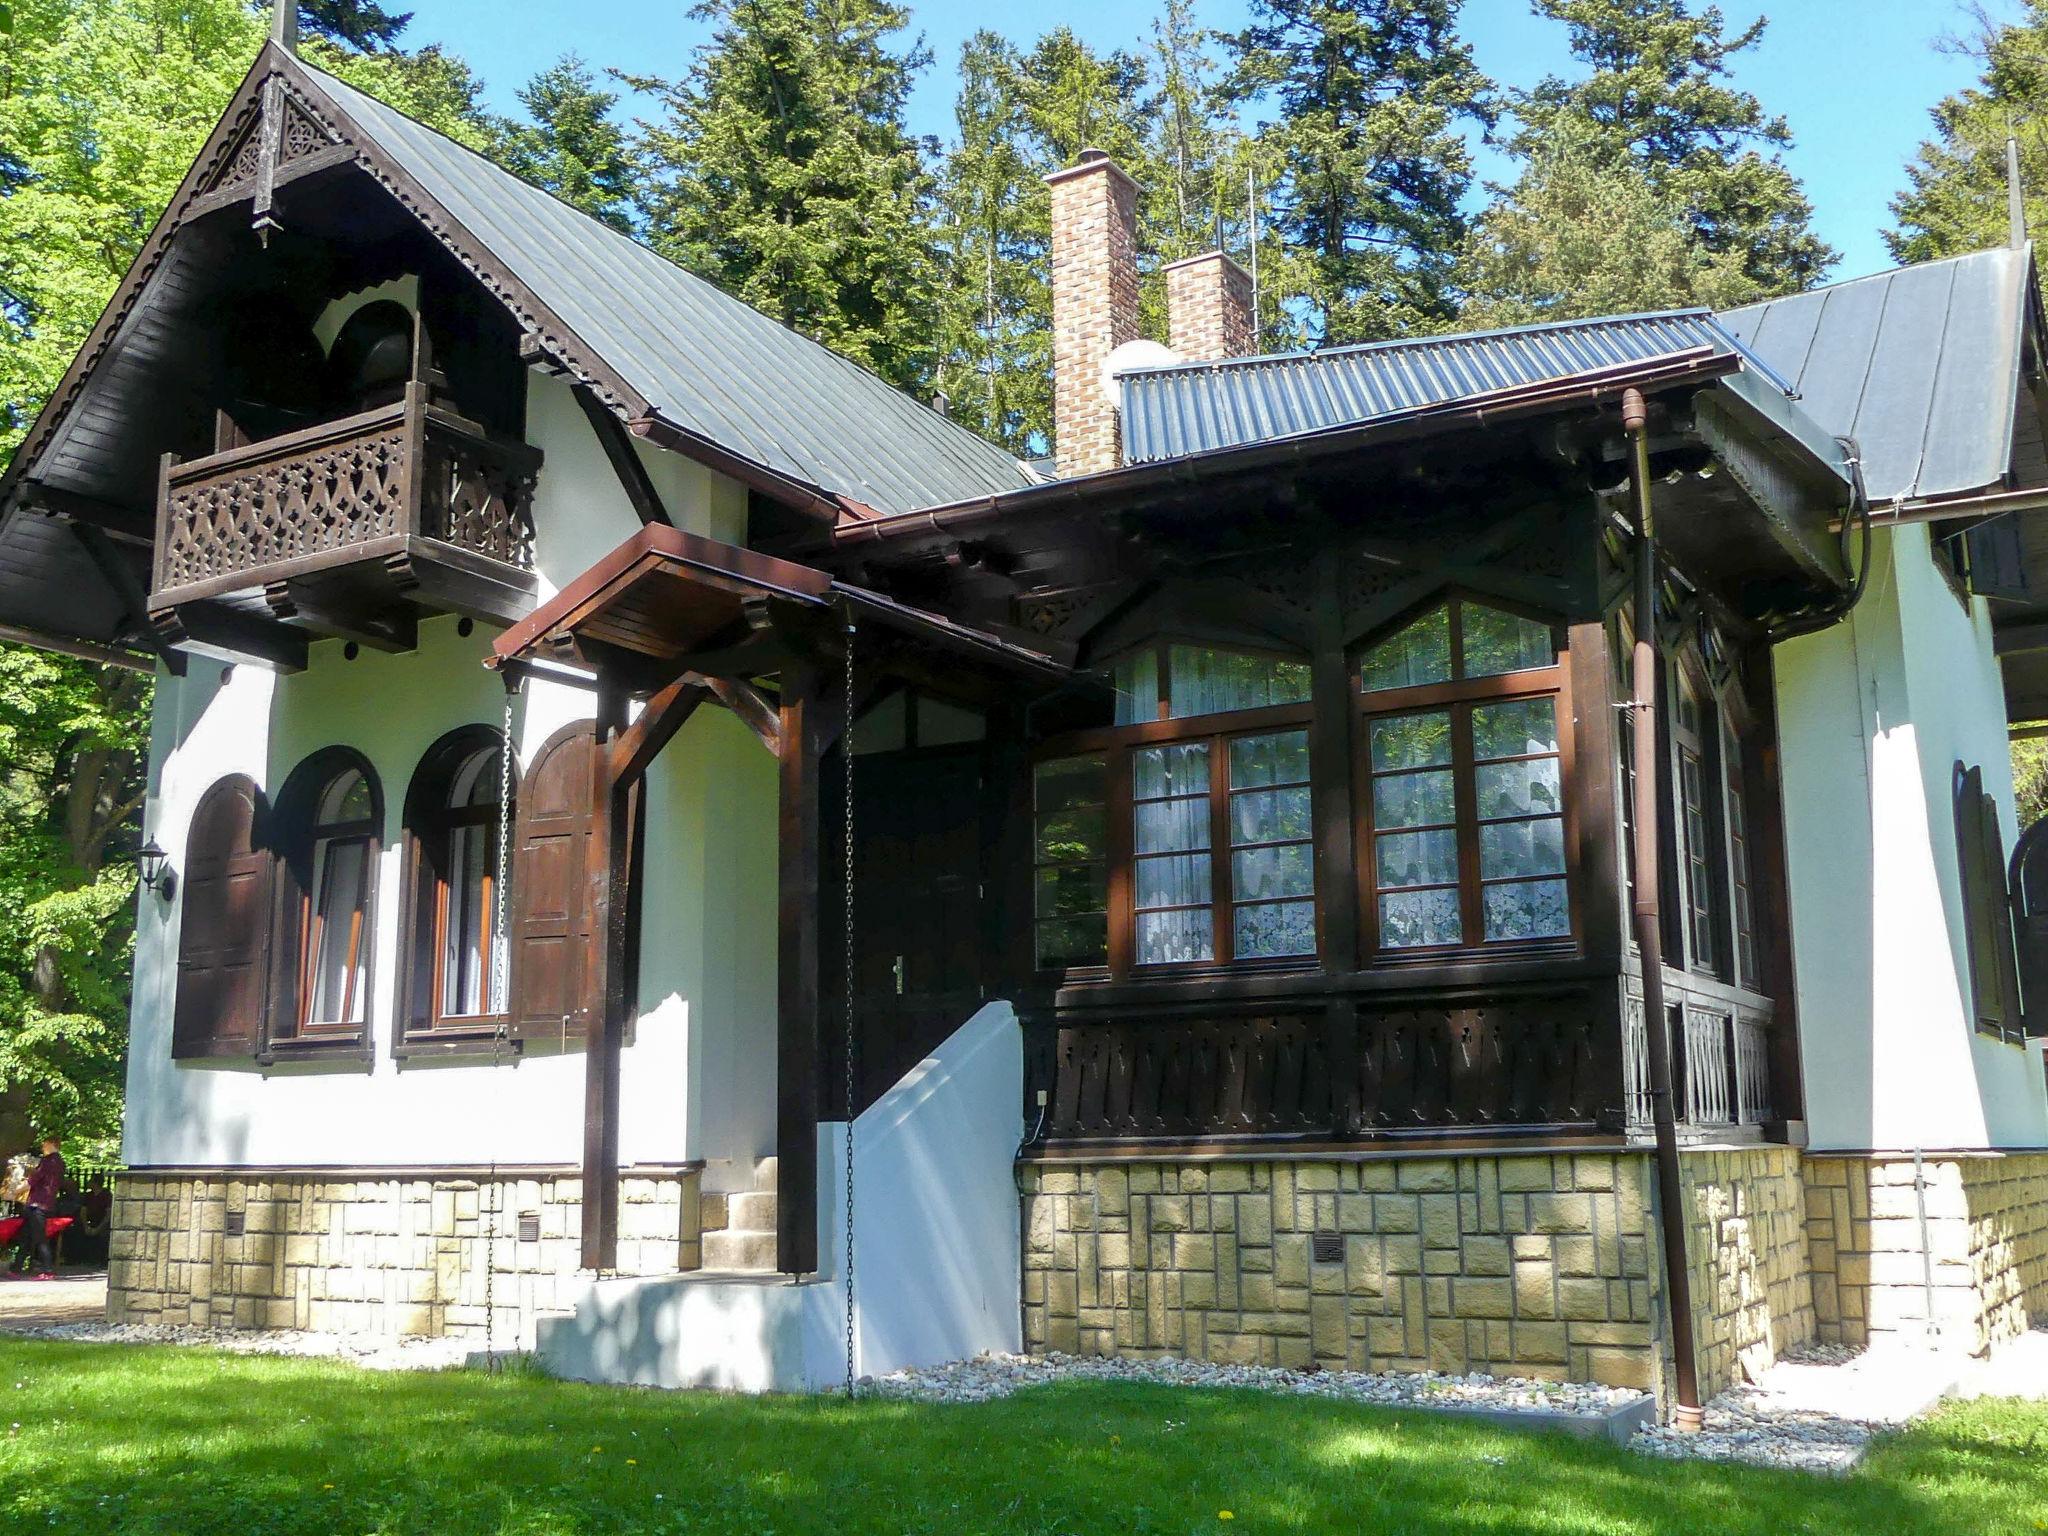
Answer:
(1919, 365)
(706, 362)
(1202, 407)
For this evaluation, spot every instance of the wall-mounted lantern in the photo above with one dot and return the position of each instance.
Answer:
(157, 874)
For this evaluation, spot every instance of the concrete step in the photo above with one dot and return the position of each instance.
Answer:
(739, 1249)
(753, 1211)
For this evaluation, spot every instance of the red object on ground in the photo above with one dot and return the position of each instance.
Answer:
(53, 1229)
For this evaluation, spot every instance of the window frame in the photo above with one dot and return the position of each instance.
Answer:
(429, 823)
(1117, 745)
(1458, 697)
(301, 833)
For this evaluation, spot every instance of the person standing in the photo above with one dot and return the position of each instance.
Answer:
(45, 1184)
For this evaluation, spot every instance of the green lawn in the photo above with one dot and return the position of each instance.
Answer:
(106, 1438)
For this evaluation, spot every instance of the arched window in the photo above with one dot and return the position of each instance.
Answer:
(225, 924)
(331, 816)
(1181, 834)
(454, 978)
(1464, 737)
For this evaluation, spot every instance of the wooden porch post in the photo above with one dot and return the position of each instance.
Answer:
(607, 864)
(798, 1045)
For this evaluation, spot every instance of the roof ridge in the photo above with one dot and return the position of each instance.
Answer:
(1399, 343)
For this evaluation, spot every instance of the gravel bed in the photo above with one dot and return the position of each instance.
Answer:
(1816, 1410)
(370, 1352)
(992, 1376)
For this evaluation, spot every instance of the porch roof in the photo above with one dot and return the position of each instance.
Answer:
(664, 601)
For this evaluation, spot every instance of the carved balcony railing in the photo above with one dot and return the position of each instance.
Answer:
(1720, 1058)
(392, 485)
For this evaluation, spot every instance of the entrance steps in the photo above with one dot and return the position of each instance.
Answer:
(737, 1228)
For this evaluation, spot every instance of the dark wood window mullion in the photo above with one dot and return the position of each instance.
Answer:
(1221, 916)
(1120, 838)
(1465, 808)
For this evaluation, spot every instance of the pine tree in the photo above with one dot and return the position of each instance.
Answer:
(1956, 197)
(782, 170)
(571, 145)
(992, 227)
(1194, 141)
(1372, 96)
(359, 24)
(1583, 232)
(1658, 95)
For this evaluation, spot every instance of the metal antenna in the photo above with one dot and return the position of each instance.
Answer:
(284, 24)
(2015, 201)
(1251, 210)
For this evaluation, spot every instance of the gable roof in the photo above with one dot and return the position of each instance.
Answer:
(700, 370)
(1920, 365)
(704, 362)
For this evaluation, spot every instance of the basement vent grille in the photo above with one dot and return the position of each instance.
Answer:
(529, 1226)
(237, 1223)
(1327, 1247)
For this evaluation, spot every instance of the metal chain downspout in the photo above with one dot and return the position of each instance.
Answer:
(1649, 922)
(499, 972)
(846, 981)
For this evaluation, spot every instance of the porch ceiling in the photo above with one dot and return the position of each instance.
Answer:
(667, 602)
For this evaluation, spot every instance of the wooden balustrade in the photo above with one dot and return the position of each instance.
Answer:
(1335, 1072)
(1721, 1055)
(346, 492)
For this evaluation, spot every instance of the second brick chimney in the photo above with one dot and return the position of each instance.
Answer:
(1209, 308)
(1094, 304)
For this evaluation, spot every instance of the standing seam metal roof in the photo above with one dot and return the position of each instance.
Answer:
(1919, 365)
(1199, 408)
(705, 361)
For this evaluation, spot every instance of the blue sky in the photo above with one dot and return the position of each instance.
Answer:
(1853, 77)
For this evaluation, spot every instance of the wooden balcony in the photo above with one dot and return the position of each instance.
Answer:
(354, 528)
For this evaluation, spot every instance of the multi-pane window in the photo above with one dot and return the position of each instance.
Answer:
(336, 954)
(1205, 824)
(467, 981)
(1696, 785)
(1464, 805)
(1071, 875)
(1741, 904)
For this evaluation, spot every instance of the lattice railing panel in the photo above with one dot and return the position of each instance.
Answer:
(406, 471)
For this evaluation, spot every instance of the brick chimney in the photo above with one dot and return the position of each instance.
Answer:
(1094, 304)
(1209, 308)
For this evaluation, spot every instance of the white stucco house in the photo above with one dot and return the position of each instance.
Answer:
(1481, 853)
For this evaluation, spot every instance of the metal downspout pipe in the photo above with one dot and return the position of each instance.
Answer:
(1649, 931)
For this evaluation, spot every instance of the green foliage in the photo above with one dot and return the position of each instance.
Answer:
(165, 1441)
(1657, 97)
(1371, 97)
(1585, 233)
(361, 24)
(2030, 779)
(1956, 195)
(781, 170)
(104, 104)
(572, 146)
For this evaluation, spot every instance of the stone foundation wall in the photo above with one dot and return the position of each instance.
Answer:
(1987, 1239)
(1534, 1265)
(403, 1255)
(1752, 1281)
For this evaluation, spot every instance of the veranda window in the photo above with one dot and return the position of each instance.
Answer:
(1183, 836)
(1697, 783)
(1463, 821)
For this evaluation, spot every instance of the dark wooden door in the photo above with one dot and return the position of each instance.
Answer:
(917, 903)
(224, 929)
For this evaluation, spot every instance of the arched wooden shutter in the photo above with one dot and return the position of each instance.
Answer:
(224, 931)
(2029, 886)
(555, 945)
(1987, 908)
